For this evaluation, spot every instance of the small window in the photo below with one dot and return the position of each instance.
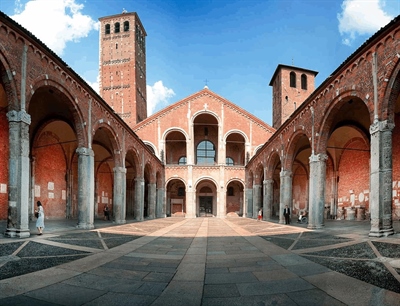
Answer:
(126, 26)
(229, 161)
(293, 79)
(231, 191)
(116, 46)
(181, 191)
(107, 29)
(182, 160)
(304, 82)
(116, 27)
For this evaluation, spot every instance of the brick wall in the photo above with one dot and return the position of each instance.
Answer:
(50, 175)
(3, 164)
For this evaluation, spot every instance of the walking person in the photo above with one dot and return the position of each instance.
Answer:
(259, 216)
(286, 213)
(40, 217)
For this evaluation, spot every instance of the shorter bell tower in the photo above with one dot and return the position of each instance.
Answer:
(291, 86)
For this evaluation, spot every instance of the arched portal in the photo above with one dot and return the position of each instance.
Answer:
(131, 165)
(206, 198)
(176, 198)
(53, 142)
(104, 162)
(273, 187)
(234, 198)
(348, 147)
(300, 170)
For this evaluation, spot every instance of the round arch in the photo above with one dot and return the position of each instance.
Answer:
(331, 113)
(51, 89)
(235, 131)
(206, 196)
(176, 188)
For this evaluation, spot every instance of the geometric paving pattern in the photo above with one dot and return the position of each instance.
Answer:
(364, 261)
(368, 261)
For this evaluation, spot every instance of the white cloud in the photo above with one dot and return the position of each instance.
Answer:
(157, 96)
(361, 17)
(55, 22)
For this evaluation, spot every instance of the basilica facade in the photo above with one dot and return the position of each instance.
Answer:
(332, 151)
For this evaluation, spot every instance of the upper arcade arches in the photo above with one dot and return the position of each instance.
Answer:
(175, 146)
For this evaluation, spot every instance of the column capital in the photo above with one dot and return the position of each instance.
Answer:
(286, 173)
(381, 126)
(321, 157)
(271, 181)
(19, 116)
(119, 170)
(85, 151)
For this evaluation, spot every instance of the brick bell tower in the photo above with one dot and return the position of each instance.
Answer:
(291, 86)
(122, 66)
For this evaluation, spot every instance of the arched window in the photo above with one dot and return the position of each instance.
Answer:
(126, 26)
(231, 191)
(107, 29)
(229, 161)
(116, 27)
(182, 160)
(205, 153)
(293, 79)
(303, 81)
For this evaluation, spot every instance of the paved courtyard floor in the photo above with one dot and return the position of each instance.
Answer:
(203, 261)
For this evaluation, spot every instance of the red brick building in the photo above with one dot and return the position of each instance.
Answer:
(205, 142)
(334, 153)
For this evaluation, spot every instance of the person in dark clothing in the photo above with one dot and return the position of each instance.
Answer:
(286, 213)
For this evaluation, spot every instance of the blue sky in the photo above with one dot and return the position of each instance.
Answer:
(235, 45)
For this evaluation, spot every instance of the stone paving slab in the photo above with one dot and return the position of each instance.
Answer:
(204, 261)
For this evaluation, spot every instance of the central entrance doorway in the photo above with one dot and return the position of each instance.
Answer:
(206, 206)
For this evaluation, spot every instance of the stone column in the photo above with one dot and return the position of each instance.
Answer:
(152, 200)
(119, 195)
(18, 175)
(168, 204)
(139, 198)
(190, 203)
(160, 204)
(257, 189)
(317, 190)
(85, 188)
(268, 197)
(249, 202)
(285, 193)
(380, 204)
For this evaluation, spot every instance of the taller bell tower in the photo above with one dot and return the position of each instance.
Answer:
(122, 66)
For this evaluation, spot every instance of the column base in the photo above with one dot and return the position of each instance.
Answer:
(381, 233)
(120, 221)
(84, 226)
(315, 226)
(16, 233)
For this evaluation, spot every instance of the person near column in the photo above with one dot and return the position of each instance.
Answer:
(106, 212)
(286, 214)
(40, 217)
(259, 216)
